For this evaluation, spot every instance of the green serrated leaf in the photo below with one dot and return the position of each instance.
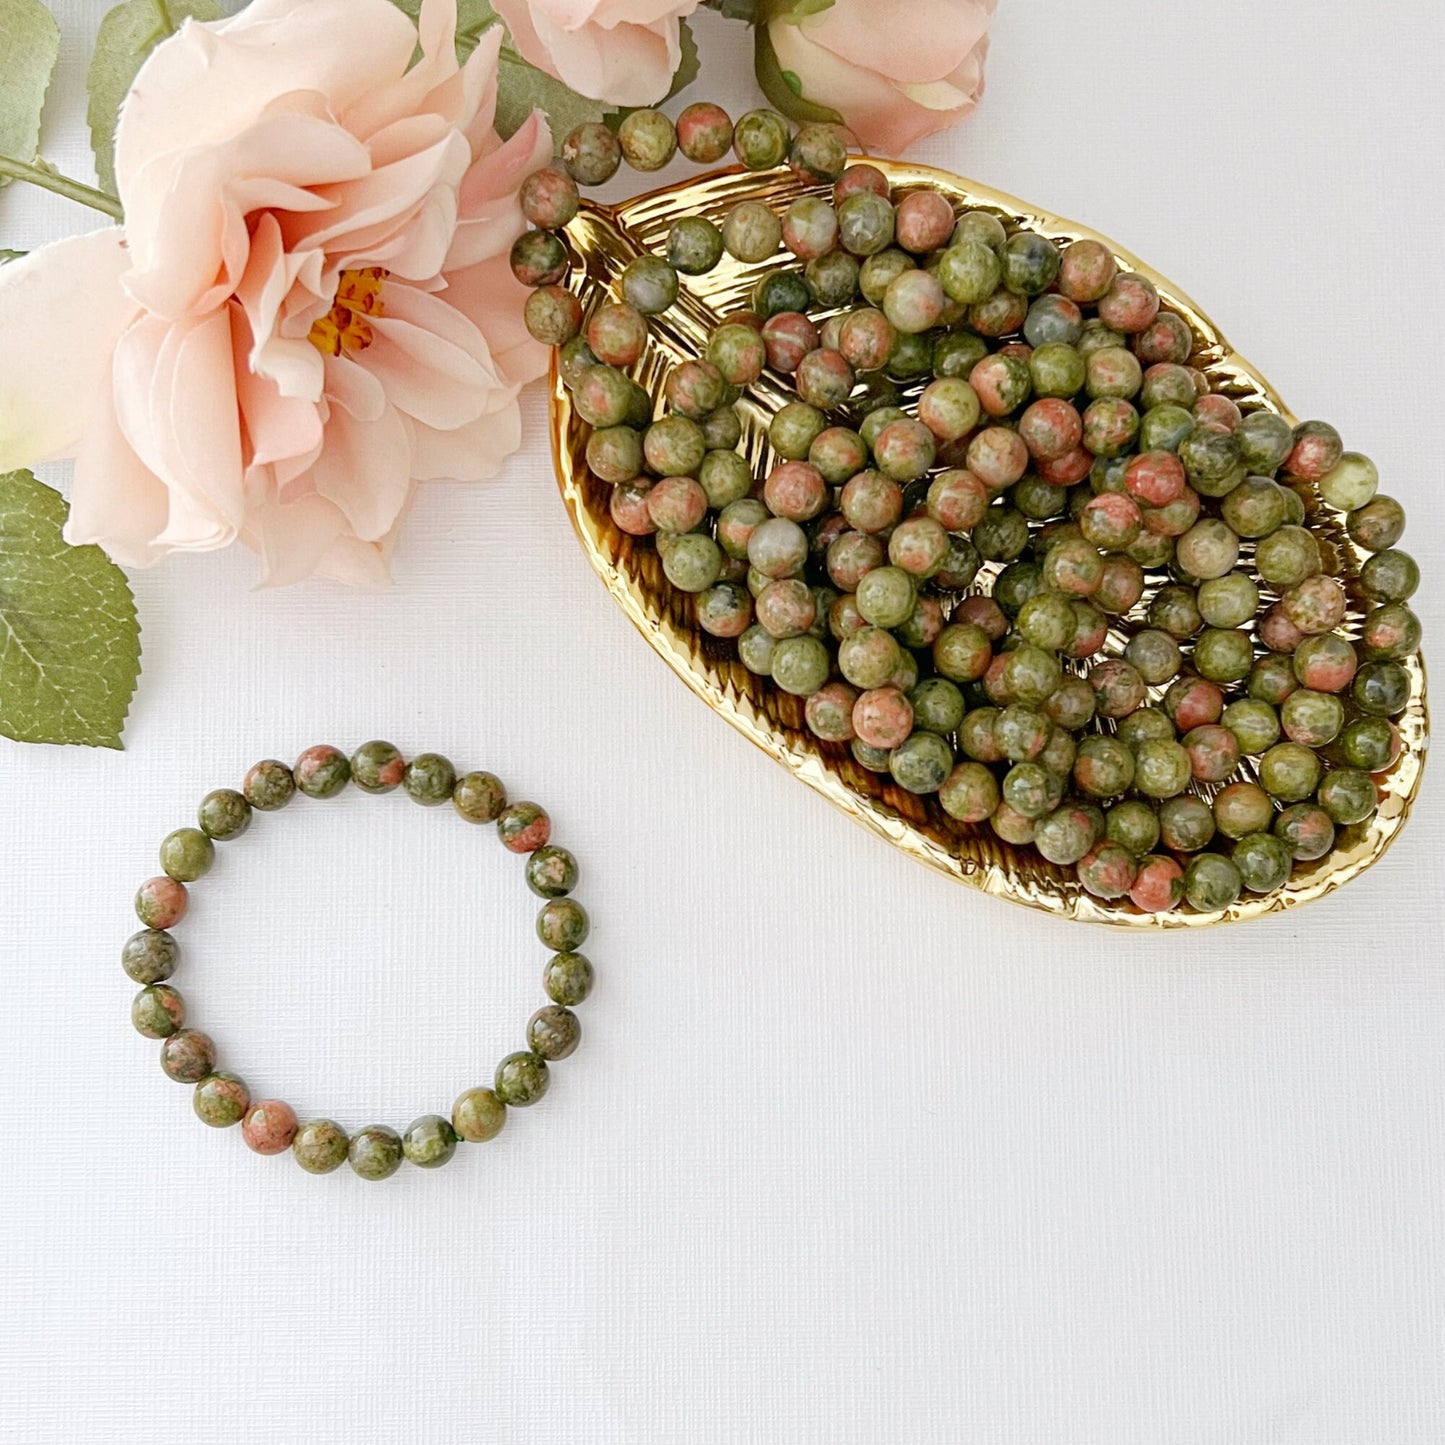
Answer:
(29, 48)
(522, 87)
(69, 639)
(778, 85)
(126, 36)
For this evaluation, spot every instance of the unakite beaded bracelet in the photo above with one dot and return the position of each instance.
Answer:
(270, 1126)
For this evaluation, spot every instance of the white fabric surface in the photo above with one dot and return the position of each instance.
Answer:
(850, 1153)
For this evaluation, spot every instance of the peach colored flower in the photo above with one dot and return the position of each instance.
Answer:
(309, 308)
(895, 70)
(624, 52)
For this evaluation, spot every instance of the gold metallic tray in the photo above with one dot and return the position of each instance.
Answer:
(603, 240)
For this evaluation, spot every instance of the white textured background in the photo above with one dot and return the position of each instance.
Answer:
(850, 1153)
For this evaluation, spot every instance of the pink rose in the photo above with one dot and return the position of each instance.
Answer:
(894, 71)
(624, 52)
(309, 308)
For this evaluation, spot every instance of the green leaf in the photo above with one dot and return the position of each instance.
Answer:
(734, 9)
(689, 66)
(779, 85)
(126, 36)
(686, 73)
(11, 256)
(790, 12)
(473, 17)
(69, 639)
(522, 87)
(29, 48)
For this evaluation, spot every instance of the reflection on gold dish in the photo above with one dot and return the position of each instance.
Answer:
(603, 240)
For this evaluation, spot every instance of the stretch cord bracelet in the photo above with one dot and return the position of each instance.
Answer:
(270, 1126)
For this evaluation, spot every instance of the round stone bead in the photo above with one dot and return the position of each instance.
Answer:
(549, 198)
(553, 315)
(1211, 883)
(591, 153)
(1087, 270)
(320, 1146)
(568, 978)
(1306, 830)
(187, 854)
(538, 258)
(1158, 886)
(221, 1099)
(810, 227)
(1370, 743)
(551, 872)
(269, 1127)
(1381, 689)
(478, 1115)
(523, 827)
(887, 596)
(694, 245)
(1377, 525)
(429, 779)
(1348, 795)
(617, 333)
(648, 139)
(429, 1142)
(692, 563)
(522, 1079)
(1391, 576)
(187, 1056)
(1290, 772)
(1161, 769)
(375, 1151)
(704, 133)
(818, 153)
(377, 767)
(1350, 483)
(157, 1011)
(614, 453)
(161, 903)
(1390, 633)
(479, 797)
(562, 925)
(1186, 824)
(150, 956)
(1134, 825)
(1263, 861)
(751, 231)
(1107, 870)
(922, 763)
(865, 228)
(553, 1032)
(761, 139)
(322, 771)
(224, 814)
(269, 785)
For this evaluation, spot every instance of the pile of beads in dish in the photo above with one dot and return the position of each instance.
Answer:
(270, 1126)
(1069, 591)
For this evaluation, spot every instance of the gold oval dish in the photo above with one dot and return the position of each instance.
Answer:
(603, 240)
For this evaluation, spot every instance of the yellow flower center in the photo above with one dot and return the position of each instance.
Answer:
(346, 326)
